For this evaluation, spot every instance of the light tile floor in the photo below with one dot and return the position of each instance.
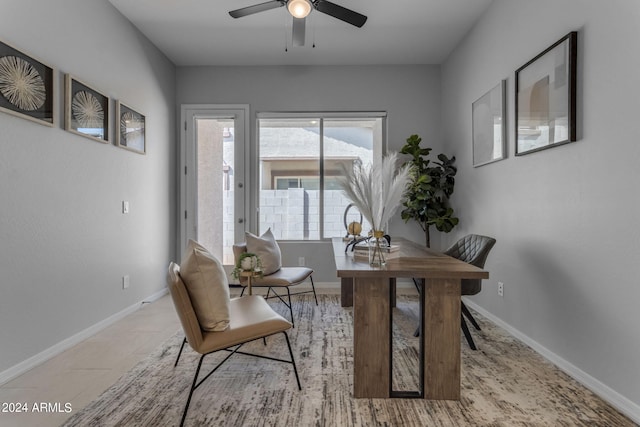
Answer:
(80, 374)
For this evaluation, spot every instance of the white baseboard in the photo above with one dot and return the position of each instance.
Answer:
(624, 405)
(32, 362)
(620, 402)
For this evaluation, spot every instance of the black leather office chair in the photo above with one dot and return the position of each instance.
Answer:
(472, 249)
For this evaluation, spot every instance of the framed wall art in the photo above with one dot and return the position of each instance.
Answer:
(86, 111)
(489, 126)
(546, 98)
(26, 86)
(130, 129)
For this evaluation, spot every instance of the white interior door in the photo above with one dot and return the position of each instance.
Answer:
(214, 177)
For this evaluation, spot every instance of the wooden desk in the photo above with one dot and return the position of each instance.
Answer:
(372, 317)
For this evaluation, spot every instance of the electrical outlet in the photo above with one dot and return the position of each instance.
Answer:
(125, 207)
(500, 289)
(301, 261)
(125, 281)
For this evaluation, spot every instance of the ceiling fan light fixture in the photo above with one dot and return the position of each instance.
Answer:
(299, 8)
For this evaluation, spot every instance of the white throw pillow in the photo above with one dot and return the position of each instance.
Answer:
(207, 285)
(267, 250)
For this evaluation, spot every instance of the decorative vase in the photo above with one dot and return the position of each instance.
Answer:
(378, 245)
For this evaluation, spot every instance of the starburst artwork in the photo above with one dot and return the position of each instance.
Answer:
(86, 110)
(26, 86)
(131, 128)
(131, 131)
(21, 83)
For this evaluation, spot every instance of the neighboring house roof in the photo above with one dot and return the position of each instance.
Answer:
(280, 143)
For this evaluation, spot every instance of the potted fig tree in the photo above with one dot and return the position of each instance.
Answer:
(430, 187)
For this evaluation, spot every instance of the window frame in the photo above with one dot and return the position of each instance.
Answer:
(379, 149)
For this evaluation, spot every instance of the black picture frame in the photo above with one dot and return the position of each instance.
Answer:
(130, 129)
(545, 110)
(489, 124)
(26, 86)
(86, 111)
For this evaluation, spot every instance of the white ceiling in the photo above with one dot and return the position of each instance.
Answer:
(201, 32)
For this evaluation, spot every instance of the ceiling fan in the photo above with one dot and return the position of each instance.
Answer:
(299, 9)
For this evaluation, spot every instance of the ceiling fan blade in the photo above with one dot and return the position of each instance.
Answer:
(299, 25)
(250, 10)
(341, 13)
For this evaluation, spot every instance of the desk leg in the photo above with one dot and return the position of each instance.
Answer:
(393, 294)
(346, 292)
(442, 339)
(371, 338)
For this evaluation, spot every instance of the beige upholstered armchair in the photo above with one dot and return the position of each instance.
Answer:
(275, 276)
(243, 319)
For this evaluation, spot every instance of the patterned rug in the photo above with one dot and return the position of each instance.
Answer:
(504, 383)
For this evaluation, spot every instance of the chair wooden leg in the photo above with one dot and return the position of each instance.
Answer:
(293, 361)
(314, 289)
(467, 334)
(469, 316)
(184, 341)
(193, 387)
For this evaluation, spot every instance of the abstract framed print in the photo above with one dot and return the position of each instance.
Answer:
(546, 98)
(130, 129)
(86, 111)
(489, 126)
(26, 86)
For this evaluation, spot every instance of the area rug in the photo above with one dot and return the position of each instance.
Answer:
(504, 383)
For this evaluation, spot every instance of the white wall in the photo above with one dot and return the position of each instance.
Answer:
(64, 243)
(409, 94)
(566, 218)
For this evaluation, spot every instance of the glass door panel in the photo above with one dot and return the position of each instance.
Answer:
(214, 185)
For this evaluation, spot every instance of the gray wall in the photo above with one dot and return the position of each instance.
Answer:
(566, 219)
(409, 94)
(64, 244)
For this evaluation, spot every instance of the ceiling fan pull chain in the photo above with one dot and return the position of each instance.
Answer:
(313, 23)
(286, 39)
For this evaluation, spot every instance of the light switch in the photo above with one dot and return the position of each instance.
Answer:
(125, 207)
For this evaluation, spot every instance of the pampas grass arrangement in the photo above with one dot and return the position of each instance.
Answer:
(377, 190)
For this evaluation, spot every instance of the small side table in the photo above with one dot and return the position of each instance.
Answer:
(249, 275)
